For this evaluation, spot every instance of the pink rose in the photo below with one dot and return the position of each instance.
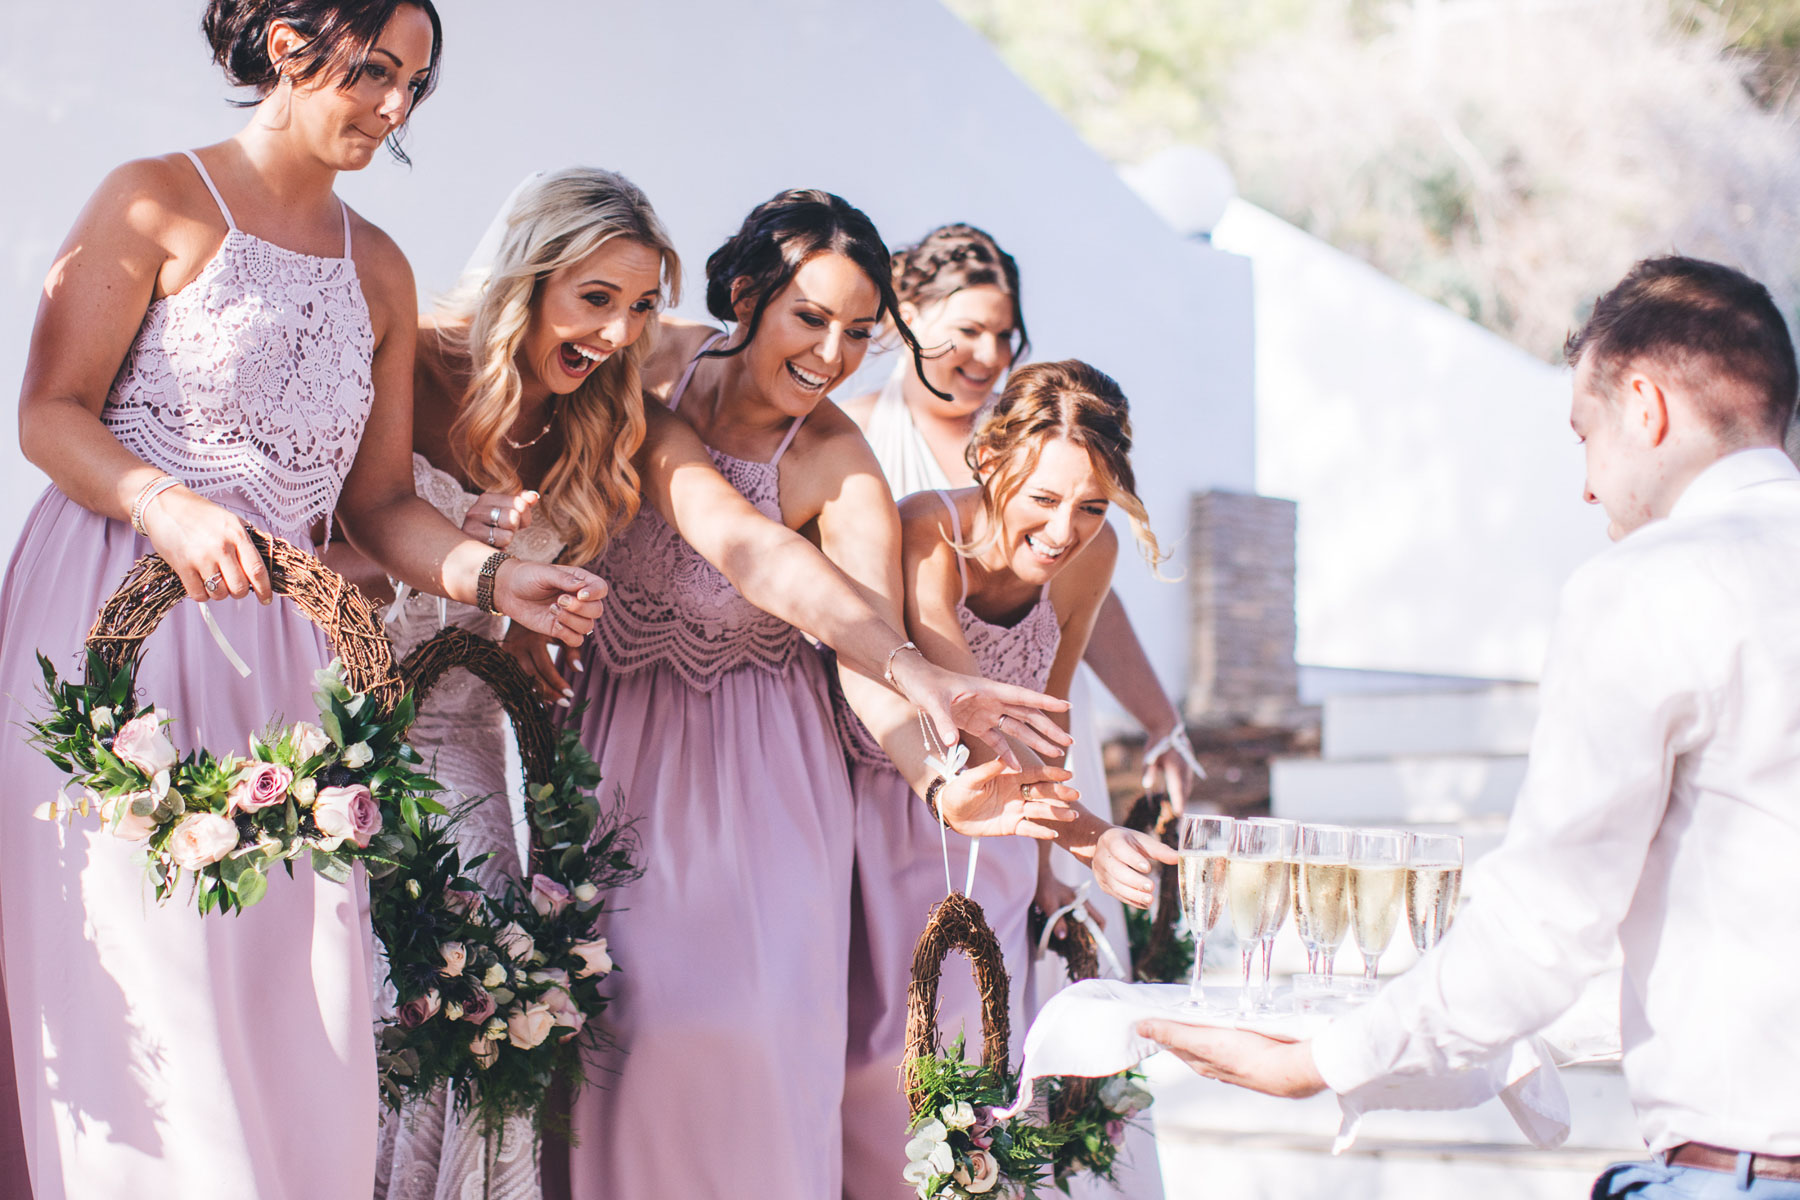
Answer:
(125, 823)
(594, 958)
(201, 840)
(486, 1052)
(515, 942)
(479, 1007)
(347, 814)
(465, 904)
(419, 1009)
(549, 897)
(979, 1173)
(142, 743)
(529, 1026)
(456, 957)
(563, 1011)
(259, 785)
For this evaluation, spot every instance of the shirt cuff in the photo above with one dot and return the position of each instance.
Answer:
(1343, 1052)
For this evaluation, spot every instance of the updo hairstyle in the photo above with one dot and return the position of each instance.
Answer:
(952, 258)
(339, 36)
(778, 238)
(1066, 399)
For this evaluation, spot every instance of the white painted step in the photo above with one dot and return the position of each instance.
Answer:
(1444, 789)
(1492, 720)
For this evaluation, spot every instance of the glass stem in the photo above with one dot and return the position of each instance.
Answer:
(1268, 945)
(1370, 962)
(1196, 993)
(1249, 959)
(1327, 960)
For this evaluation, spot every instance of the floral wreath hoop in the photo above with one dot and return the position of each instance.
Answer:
(1160, 951)
(960, 1147)
(343, 790)
(496, 994)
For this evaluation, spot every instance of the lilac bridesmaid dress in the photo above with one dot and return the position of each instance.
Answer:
(713, 718)
(161, 1054)
(899, 876)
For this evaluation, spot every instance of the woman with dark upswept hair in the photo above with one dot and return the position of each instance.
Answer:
(221, 341)
(713, 718)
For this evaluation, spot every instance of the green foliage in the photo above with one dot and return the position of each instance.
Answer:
(1172, 962)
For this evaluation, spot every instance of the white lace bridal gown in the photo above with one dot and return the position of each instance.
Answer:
(429, 1152)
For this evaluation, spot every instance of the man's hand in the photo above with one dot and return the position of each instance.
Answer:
(1238, 1056)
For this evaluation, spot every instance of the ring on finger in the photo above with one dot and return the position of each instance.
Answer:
(490, 535)
(494, 515)
(213, 581)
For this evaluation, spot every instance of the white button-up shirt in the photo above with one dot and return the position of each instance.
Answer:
(1661, 805)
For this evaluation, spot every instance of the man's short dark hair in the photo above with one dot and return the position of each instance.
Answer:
(1707, 321)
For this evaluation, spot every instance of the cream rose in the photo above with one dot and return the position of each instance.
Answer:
(309, 740)
(357, 755)
(456, 957)
(979, 1174)
(594, 958)
(122, 817)
(142, 743)
(549, 897)
(306, 792)
(201, 840)
(528, 1027)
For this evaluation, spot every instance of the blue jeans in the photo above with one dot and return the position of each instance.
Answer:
(1654, 1181)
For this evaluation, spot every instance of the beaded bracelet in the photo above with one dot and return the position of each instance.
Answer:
(887, 669)
(931, 795)
(484, 582)
(149, 492)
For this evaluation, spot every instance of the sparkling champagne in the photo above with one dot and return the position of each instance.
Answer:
(1259, 896)
(1300, 926)
(1202, 890)
(1323, 898)
(1430, 902)
(1375, 895)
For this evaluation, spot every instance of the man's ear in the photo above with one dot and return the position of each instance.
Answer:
(1646, 412)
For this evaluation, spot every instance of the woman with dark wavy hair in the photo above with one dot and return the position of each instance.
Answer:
(221, 341)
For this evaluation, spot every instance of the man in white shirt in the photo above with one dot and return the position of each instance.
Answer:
(1662, 801)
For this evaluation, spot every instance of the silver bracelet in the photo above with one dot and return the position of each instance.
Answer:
(887, 669)
(149, 492)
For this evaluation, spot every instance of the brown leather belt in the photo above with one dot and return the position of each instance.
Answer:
(1717, 1158)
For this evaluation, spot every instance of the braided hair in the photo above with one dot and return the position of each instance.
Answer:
(951, 258)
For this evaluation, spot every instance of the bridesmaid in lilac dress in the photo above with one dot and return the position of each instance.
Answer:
(1007, 577)
(712, 716)
(221, 340)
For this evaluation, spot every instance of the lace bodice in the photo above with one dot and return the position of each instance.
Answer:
(414, 617)
(252, 384)
(670, 607)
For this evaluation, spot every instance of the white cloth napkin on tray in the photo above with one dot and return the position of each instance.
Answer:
(1089, 1029)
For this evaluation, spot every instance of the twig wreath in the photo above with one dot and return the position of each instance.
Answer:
(343, 790)
(960, 1146)
(495, 993)
(1161, 950)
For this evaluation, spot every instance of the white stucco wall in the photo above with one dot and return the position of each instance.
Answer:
(1437, 478)
(712, 106)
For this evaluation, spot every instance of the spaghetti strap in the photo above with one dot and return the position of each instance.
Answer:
(962, 567)
(787, 440)
(681, 385)
(346, 210)
(220, 200)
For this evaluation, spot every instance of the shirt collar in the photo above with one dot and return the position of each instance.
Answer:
(1733, 473)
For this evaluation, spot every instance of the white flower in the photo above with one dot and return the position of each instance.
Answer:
(594, 958)
(980, 1173)
(928, 1146)
(102, 718)
(309, 740)
(585, 893)
(305, 792)
(494, 977)
(494, 1030)
(529, 1027)
(1123, 1095)
(960, 1115)
(453, 1011)
(358, 755)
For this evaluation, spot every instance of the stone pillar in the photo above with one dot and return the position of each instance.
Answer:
(1241, 581)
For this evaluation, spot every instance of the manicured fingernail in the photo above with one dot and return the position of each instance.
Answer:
(569, 692)
(563, 703)
(582, 594)
(580, 666)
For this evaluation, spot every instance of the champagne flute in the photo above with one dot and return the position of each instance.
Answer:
(1321, 893)
(1257, 876)
(1433, 882)
(1290, 835)
(1377, 879)
(1205, 850)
